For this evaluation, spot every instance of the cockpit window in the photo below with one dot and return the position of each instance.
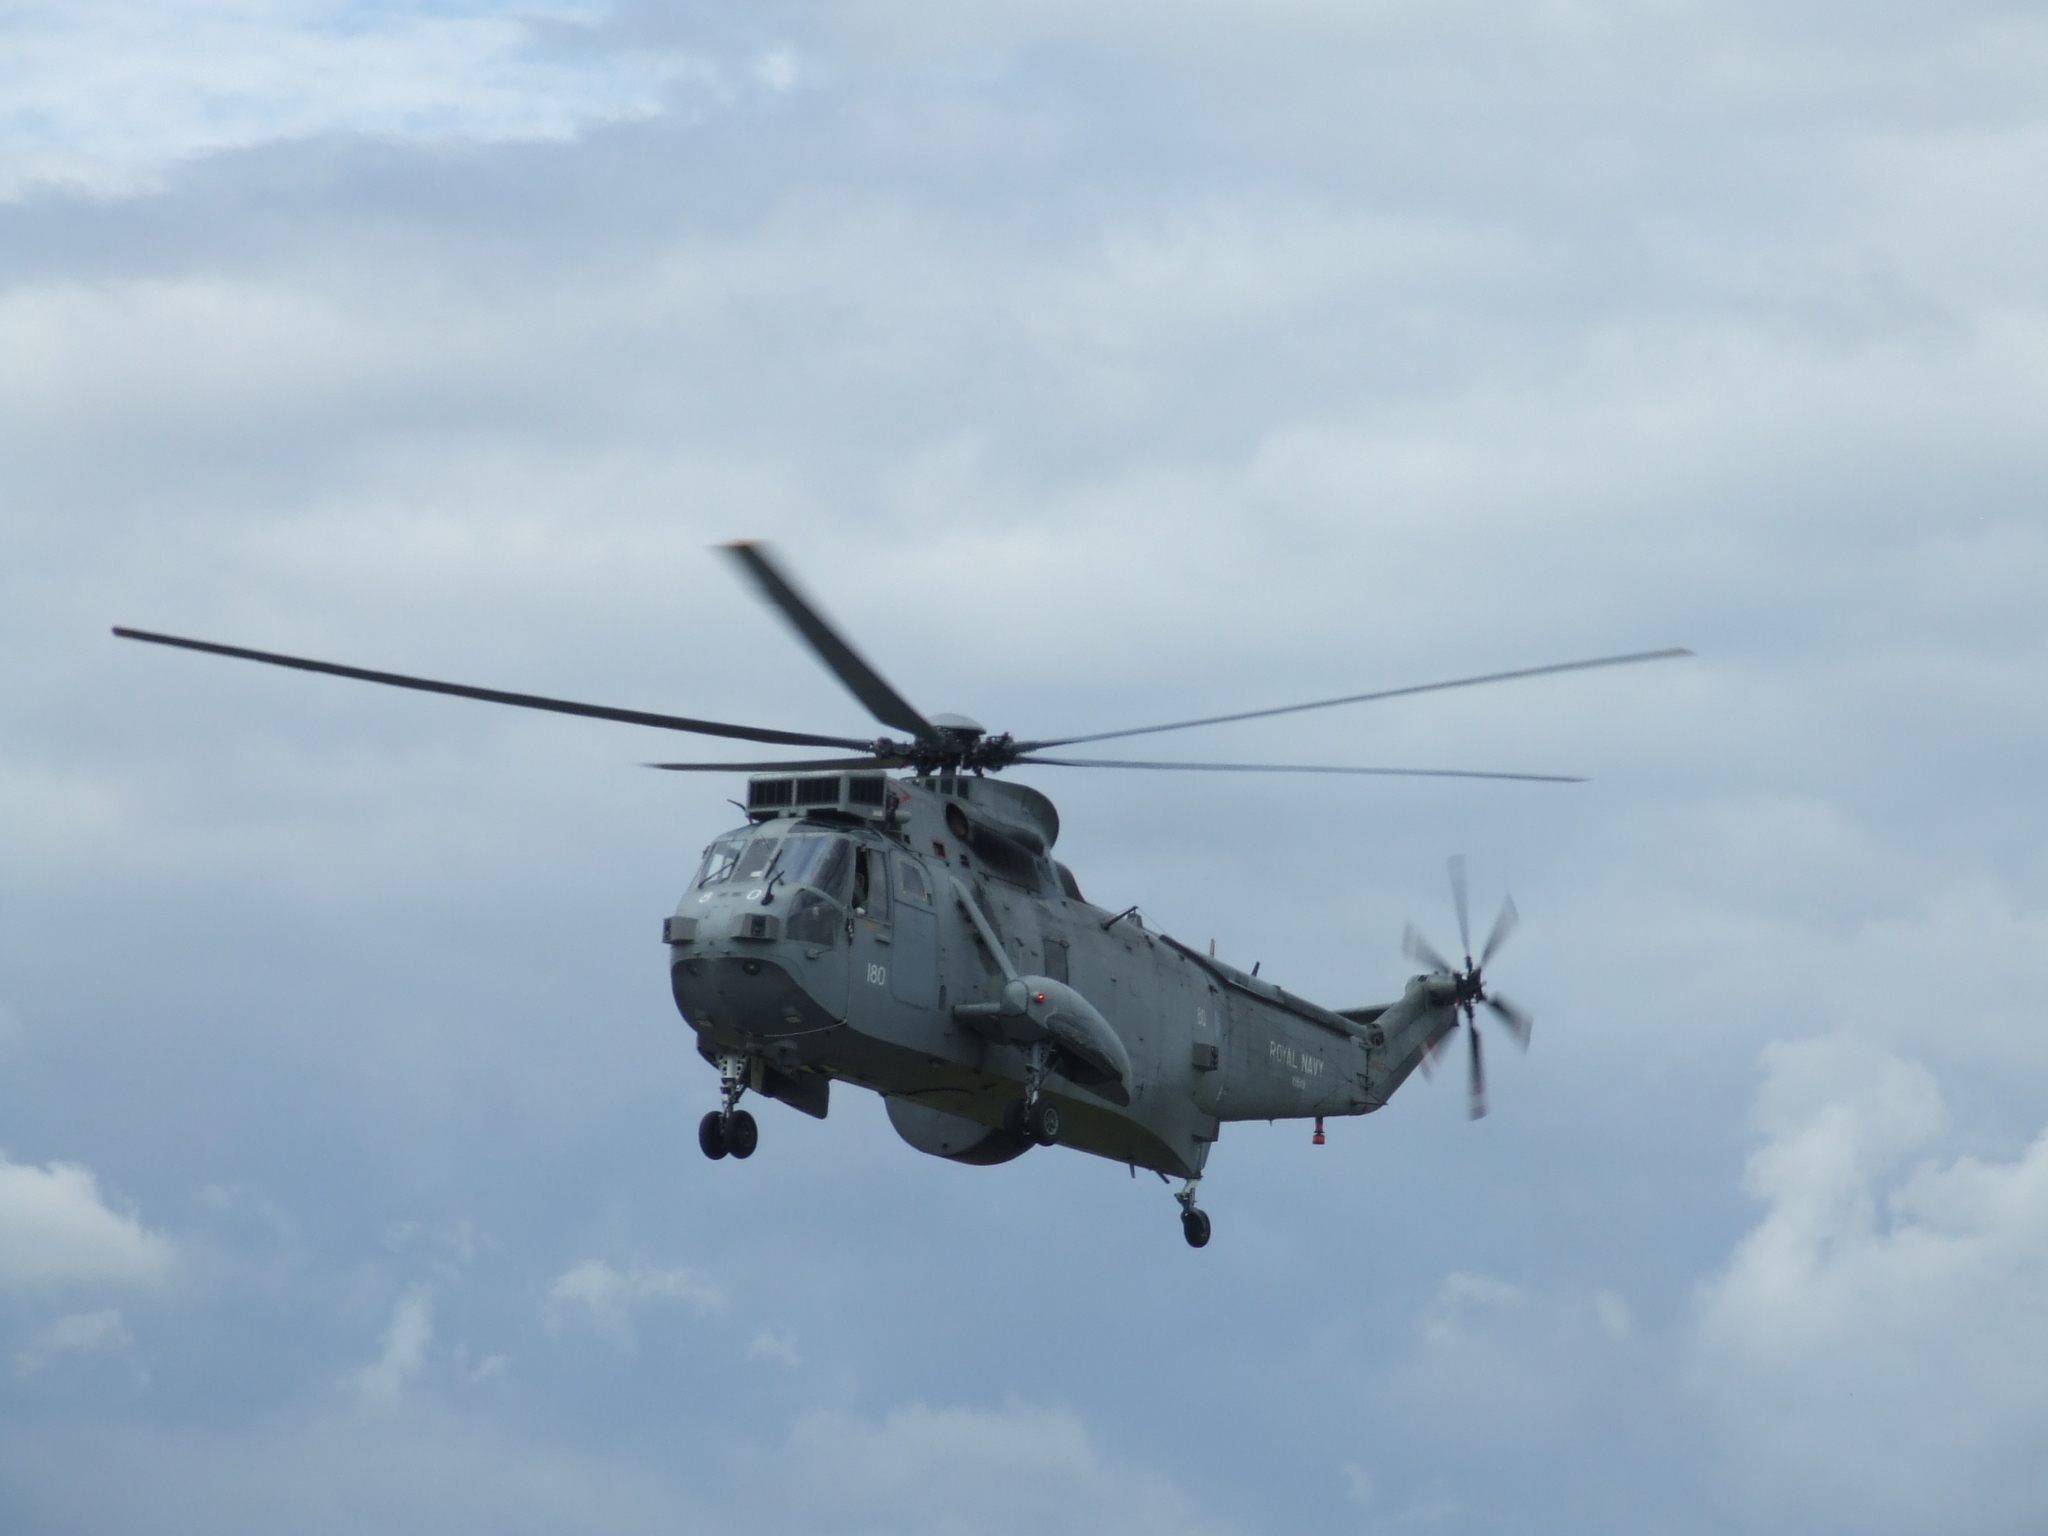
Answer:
(755, 861)
(719, 859)
(820, 862)
(816, 870)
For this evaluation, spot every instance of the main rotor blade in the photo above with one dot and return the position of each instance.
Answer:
(1367, 698)
(1478, 1073)
(882, 701)
(802, 765)
(1503, 925)
(495, 696)
(1458, 901)
(1393, 773)
(1518, 1023)
(1417, 948)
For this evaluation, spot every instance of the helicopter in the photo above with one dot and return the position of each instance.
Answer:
(894, 920)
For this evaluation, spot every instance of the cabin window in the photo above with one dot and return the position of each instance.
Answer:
(870, 886)
(910, 883)
(1056, 959)
(719, 860)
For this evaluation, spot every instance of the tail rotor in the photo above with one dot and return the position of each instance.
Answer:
(1470, 979)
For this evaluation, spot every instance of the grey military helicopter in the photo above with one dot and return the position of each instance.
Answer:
(911, 933)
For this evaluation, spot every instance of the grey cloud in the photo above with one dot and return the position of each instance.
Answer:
(77, 1333)
(382, 1384)
(1890, 1297)
(605, 1298)
(55, 1229)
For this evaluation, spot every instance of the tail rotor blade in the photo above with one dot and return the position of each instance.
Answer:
(1478, 1074)
(1458, 900)
(1518, 1022)
(1418, 949)
(1503, 925)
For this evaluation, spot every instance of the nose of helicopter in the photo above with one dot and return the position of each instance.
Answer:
(751, 992)
(734, 969)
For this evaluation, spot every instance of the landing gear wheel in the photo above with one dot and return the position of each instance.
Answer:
(1194, 1226)
(1042, 1120)
(711, 1136)
(741, 1134)
(1014, 1126)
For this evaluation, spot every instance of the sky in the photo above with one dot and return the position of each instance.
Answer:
(1093, 365)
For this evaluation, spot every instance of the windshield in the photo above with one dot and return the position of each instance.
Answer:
(819, 862)
(719, 859)
(754, 862)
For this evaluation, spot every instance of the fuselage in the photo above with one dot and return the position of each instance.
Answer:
(830, 938)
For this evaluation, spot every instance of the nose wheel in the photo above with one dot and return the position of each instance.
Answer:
(1194, 1221)
(729, 1131)
(723, 1135)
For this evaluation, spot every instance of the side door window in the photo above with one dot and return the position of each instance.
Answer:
(871, 885)
(911, 884)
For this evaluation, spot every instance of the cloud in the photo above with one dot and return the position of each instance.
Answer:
(1614, 1315)
(56, 1230)
(383, 1383)
(777, 1346)
(106, 93)
(1360, 1486)
(606, 1298)
(80, 1333)
(975, 1470)
(1462, 1302)
(1874, 1344)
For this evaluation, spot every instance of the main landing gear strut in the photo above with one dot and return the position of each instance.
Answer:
(1194, 1222)
(729, 1129)
(1034, 1120)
